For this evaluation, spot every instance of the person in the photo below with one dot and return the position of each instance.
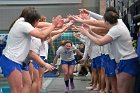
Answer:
(18, 44)
(96, 59)
(66, 53)
(108, 63)
(121, 48)
(40, 47)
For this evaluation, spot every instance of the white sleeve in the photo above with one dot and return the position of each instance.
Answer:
(35, 45)
(27, 28)
(95, 15)
(87, 45)
(114, 33)
(82, 40)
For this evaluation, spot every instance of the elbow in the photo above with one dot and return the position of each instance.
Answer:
(100, 43)
(31, 54)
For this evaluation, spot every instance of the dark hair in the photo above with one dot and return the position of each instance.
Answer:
(30, 14)
(113, 9)
(111, 17)
(68, 41)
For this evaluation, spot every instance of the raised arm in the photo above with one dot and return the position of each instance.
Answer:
(99, 30)
(42, 33)
(92, 14)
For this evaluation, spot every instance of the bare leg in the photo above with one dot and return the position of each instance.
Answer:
(95, 78)
(26, 81)
(65, 71)
(35, 84)
(102, 80)
(107, 85)
(125, 83)
(15, 81)
(113, 81)
(71, 70)
(41, 74)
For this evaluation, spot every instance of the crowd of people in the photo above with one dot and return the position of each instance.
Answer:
(105, 51)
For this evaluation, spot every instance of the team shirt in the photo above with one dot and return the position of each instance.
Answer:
(121, 45)
(18, 41)
(66, 55)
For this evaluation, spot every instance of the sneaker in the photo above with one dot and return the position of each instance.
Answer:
(75, 74)
(89, 88)
(88, 74)
(72, 85)
(66, 89)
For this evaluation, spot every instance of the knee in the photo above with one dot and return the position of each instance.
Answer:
(66, 74)
(71, 73)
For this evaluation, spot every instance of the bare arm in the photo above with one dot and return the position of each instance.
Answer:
(99, 41)
(99, 30)
(55, 59)
(63, 29)
(78, 52)
(34, 56)
(44, 32)
(96, 35)
(54, 37)
(43, 24)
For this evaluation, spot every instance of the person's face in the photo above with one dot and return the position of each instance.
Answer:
(84, 15)
(68, 46)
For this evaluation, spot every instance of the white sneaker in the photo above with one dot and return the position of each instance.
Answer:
(89, 88)
(75, 74)
(88, 74)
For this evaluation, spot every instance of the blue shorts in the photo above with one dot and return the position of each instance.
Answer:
(8, 66)
(36, 65)
(25, 67)
(96, 63)
(43, 58)
(104, 59)
(68, 62)
(129, 66)
(110, 68)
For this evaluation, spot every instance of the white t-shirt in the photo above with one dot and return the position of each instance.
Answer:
(35, 45)
(44, 49)
(66, 55)
(91, 49)
(105, 49)
(18, 41)
(121, 45)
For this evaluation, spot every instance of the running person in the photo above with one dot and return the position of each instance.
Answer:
(66, 53)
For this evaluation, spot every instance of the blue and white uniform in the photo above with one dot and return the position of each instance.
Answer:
(17, 47)
(122, 49)
(94, 52)
(67, 56)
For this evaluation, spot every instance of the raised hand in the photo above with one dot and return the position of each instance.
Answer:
(82, 30)
(84, 11)
(57, 21)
